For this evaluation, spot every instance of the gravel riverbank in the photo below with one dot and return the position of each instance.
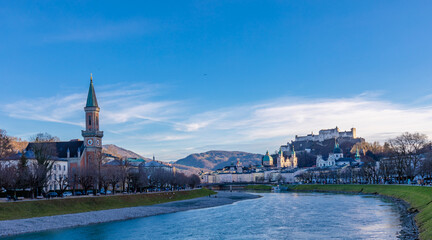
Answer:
(38, 224)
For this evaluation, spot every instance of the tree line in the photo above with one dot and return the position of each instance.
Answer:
(126, 178)
(32, 176)
(25, 174)
(403, 159)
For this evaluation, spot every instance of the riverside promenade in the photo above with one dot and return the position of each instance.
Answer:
(38, 224)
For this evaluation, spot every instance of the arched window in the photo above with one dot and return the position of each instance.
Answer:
(89, 120)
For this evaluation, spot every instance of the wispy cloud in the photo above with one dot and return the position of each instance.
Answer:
(130, 104)
(58, 109)
(171, 129)
(284, 118)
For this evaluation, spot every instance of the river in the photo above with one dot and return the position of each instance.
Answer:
(274, 216)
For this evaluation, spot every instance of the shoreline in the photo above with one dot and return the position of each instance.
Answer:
(40, 224)
(409, 231)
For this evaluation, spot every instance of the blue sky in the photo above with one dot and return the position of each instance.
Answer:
(174, 78)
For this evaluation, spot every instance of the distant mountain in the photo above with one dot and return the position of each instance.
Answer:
(218, 159)
(121, 152)
(188, 170)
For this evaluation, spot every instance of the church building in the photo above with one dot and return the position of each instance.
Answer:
(74, 153)
(336, 158)
(267, 160)
(289, 161)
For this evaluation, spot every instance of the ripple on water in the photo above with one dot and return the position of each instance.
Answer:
(274, 216)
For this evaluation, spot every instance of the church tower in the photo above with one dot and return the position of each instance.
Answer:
(293, 161)
(92, 135)
(281, 160)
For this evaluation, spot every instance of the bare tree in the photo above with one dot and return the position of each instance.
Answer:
(103, 178)
(63, 183)
(425, 170)
(74, 178)
(114, 175)
(44, 151)
(406, 150)
(44, 137)
(6, 148)
(100, 158)
(24, 173)
(9, 177)
(387, 169)
(194, 180)
(364, 147)
(87, 178)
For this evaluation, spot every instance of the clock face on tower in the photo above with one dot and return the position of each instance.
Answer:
(89, 142)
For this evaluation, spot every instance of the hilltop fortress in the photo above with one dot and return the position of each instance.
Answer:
(327, 134)
(324, 137)
(331, 148)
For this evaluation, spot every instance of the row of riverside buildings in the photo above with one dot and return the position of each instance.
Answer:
(284, 167)
(74, 154)
(280, 169)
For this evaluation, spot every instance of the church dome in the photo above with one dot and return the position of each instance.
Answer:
(267, 159)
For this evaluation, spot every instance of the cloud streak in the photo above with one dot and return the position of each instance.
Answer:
(375, 120)
(171, 128)
(131, 105)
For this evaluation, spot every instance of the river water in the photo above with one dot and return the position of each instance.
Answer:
(274, 216)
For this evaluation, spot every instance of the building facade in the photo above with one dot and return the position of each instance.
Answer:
(289, 161)
(336, 158)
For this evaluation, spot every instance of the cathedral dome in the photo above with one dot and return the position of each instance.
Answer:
(267, 159)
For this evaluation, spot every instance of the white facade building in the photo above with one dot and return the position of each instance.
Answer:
(332, 158)
(56, 177)
(59, 175)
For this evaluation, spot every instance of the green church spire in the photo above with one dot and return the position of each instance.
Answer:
(91, 98)
(357, 155)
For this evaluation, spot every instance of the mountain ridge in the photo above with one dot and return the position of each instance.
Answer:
(121, 152)
(216, 159)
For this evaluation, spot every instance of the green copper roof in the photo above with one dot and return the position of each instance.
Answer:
(267, 157)
(337, 149)
(91, 98)
(357, 155)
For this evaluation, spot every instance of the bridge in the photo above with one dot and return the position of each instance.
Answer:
(229, 186)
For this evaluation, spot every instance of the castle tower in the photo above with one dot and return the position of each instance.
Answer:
(354, 132)
(92, 135)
